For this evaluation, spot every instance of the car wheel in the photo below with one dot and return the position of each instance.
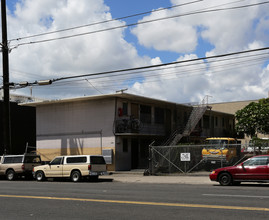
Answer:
(40, 176)
(75, 176)
(11, 175)
(225, 179)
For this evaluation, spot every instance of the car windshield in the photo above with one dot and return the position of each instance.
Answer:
(216, 144)
(56, 161)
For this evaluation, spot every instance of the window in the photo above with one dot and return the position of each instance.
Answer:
(13, 159)
(32, 159)
(232, 142)
(125, 108)
(206, 121)
(145, 113)
(216, 144)
(97, 160)
(125, 145)
(56, 161)
(216, 121)
(76, 160)
(257, 161)
(159, 115)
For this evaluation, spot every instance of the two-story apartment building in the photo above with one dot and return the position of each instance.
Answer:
(120, 126)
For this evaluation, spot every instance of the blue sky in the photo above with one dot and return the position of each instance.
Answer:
(170, 40)
(121, 8)
(11, 4)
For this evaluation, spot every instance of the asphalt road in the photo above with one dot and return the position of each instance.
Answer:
(109, 199)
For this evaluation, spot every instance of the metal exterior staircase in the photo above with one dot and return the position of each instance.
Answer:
(196, 114)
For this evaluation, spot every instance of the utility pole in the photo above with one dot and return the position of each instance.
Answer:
(6, 104)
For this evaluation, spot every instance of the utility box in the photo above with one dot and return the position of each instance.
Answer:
(108, 155)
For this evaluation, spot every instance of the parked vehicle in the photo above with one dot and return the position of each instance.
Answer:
(13, 166)
(257, 146)
(254, 169)
(73, 167)
(221, 151)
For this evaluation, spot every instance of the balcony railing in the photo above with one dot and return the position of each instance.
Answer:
(132, 125)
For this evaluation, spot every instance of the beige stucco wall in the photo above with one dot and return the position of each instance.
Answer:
(230, 107)
(82, 127)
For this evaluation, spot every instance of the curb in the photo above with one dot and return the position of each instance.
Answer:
(141, 173)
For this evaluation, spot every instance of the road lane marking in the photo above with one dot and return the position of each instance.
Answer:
(239, 196)
(142, 203)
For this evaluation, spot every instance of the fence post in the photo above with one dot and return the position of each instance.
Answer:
(150, 160)
(185, 162)
(169, 159)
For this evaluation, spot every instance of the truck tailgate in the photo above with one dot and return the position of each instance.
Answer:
(98, 167)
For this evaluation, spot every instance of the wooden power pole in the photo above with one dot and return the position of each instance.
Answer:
(6, 103)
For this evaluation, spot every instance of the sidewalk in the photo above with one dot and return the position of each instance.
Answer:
(138, 177)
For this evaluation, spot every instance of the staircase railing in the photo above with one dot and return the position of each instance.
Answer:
(195, 116)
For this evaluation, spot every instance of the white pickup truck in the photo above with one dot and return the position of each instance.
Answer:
(73, 167)
(13, 166)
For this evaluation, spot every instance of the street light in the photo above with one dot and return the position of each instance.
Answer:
(44, 82)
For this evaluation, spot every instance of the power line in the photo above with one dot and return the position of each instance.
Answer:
(178, 71)
(186, 65)
(109, 73)
(106, 21)
(93, 86)
(118, 83)
(139, 23)
(174, 73)
(160, 65)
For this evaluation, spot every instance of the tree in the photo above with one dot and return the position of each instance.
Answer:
(254, 118)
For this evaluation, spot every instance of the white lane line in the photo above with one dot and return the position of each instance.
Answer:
(239, 196)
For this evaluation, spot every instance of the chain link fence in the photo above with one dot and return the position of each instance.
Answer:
(190, 158)
(174, 159)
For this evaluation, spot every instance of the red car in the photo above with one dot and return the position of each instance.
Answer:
(255, 169)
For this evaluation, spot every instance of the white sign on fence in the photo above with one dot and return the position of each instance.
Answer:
(185, 156)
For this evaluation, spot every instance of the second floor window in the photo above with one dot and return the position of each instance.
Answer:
(159, 115)
(145, 114)
(125, 108)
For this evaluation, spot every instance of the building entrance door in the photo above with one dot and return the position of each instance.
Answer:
(135, 156)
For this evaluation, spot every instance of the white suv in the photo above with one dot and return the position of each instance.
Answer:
(73, 167)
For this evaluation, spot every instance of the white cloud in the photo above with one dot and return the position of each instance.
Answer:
(79, 55)
(225, 32)
(174, 35)
(156, 61)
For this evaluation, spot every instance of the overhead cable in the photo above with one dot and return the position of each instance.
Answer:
(160, 65)
(175, 73)
(138, 23)
(105, 21)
